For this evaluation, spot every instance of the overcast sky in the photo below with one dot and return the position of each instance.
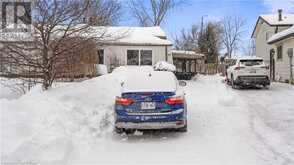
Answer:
(191, 13)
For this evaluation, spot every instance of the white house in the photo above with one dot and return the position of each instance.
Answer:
(118, 46)
(134, 46)
(283, 43)
(272, 25)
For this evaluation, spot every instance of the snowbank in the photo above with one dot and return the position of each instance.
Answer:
(43, 126)
(11, 88)
(73, 124)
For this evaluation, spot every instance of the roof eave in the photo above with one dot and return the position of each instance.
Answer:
(134, 44)
(252, 35)
(259, 18)
(281, 39)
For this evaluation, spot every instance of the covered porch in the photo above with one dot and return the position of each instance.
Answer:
(187, 61)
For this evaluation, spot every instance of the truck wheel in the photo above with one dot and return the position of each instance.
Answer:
(119, 130)
(234, 86)
(266, 87)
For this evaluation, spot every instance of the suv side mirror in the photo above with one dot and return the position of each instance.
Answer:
(182, 83)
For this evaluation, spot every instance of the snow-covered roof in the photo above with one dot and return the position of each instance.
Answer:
(186, 52)
(121, 35)
(154, 81)
(281, 35)
(249, 58)
(273, 19)
(134, 35)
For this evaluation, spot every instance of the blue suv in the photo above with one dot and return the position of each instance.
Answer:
(151, 101)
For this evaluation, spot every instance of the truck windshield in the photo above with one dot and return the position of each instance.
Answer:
(251, 62)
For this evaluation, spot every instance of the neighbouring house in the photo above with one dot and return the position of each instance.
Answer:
(135, 46)
(116, 46)
(272, 34)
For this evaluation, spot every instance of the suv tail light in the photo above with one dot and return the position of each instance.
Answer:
(174, 100)
(265, 67)
(239, 67)
(123, 101)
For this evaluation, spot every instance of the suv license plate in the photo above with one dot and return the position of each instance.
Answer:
(253, 71)
(148, 105)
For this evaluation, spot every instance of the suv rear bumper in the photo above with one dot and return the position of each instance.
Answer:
(252, 80)
(151, 125)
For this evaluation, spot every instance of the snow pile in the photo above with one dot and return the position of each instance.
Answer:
(12, 88)
(50, 126)
(164, 66)
(43, 126)
(101, 69)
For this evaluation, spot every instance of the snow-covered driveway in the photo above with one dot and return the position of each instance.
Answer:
(73, 125)
(242, 126)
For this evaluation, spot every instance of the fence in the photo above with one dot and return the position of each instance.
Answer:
(209, 69)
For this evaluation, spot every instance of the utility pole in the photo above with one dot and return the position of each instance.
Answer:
(202, 23)
(201, 33)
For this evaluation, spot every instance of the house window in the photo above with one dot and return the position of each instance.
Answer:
(280, 52)
(146, 57)
(100, 54)
(132, 57)
(136, 57)
(267, 36)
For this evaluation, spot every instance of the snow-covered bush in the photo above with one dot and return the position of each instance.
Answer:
(164, 66)
(101, 69)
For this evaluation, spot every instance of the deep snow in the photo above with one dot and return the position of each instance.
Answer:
(73, 124)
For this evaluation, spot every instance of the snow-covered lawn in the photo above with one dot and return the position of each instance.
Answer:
(73, 124)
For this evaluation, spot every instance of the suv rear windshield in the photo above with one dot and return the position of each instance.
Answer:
(251, 62)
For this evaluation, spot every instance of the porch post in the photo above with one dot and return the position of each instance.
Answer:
(272, 65)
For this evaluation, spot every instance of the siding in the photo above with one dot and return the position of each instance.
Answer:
(262, 48)
(119, 53)
(283, 65)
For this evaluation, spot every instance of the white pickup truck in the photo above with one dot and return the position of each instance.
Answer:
(248, 71)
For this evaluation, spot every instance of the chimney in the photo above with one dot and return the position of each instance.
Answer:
(280, 14)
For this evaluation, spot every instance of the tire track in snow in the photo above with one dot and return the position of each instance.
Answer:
(253, 117)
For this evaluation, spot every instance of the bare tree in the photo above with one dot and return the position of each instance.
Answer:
(232, 30)
(103, 12)
(188, 39)
(154, 12)
(209, 42)
(56, 43)
(206, 40)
